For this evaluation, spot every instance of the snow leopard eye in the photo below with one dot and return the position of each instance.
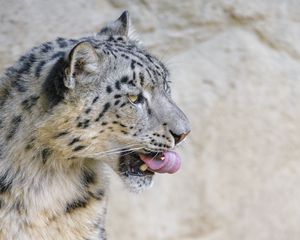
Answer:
(135, 99)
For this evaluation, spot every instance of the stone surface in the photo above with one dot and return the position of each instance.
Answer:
(236, 73)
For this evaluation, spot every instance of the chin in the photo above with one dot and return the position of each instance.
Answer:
(137, 184)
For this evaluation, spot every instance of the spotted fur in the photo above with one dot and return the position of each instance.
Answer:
(65, 113)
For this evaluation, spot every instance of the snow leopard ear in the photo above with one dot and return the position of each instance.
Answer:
(82, 59)
(118, 27)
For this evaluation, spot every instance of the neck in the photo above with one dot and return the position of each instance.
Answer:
(40, 185)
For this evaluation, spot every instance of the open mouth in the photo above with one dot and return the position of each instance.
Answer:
(143, 164)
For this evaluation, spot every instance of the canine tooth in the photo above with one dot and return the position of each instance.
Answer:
(162, 158)
(143, 167)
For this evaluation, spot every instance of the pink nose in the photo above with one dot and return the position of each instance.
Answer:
(179, 138)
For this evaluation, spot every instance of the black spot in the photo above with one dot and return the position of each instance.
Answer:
(105, 108)
(133, 77)
(149, 111)
(122, 105)
(5, 182)
(95, 99)
(53, 87)
(78, 148)
(60, 54)
(86, 123)
(62, 42)
(149, 58)
(46, 47)
(124, 79)
(104, 123)
(46, 153)
(108, 89)
(131, 83)
(117, 85)
(30, 102)
(117, 96)
(118, 116)
(88, 110)
(88, 177)
(80, 203)
(30, 144)
(138, 63)
(117, 102)
(26, 63)
(124, 132)
(39, 68)
(22, 58)
(15, 122)
(141, 75)
(124, 56)
(61, 134)
(132, 65)
(20, 85)
(75, 140)
(122, 125)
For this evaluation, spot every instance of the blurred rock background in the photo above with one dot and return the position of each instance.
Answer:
(236, 74)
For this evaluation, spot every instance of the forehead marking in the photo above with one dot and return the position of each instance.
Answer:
(155, 69)
(105, 108)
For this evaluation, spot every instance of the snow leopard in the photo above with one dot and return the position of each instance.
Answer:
(71, 108)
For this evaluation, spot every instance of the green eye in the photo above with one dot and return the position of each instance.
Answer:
(135, 99)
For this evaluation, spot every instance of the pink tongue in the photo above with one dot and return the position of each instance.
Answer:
(170, 164)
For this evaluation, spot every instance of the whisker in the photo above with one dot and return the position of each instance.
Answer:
(116, 152)
(118, 149)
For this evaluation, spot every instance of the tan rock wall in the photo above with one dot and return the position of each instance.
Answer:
(236, 73)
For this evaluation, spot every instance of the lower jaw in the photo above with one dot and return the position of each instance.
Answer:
(137, 184)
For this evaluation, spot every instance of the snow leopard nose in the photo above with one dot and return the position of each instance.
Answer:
(179, 138)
